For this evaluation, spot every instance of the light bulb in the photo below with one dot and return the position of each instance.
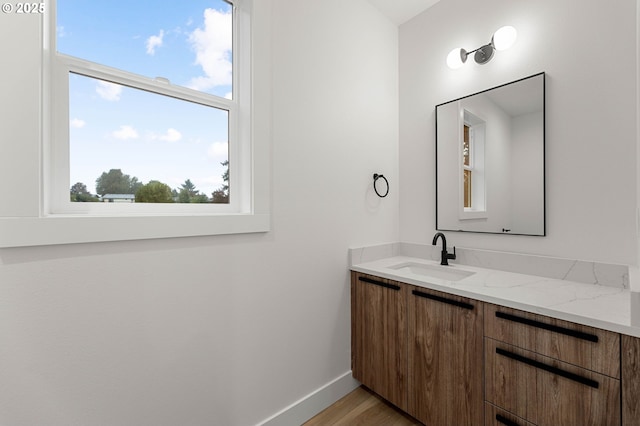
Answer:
(456, 58)
(504, 38)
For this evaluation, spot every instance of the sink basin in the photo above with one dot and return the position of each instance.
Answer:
(449, 273)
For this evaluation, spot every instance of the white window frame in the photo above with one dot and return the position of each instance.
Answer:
(59, 221)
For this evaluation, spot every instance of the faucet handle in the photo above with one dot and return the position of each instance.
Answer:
(452, 256)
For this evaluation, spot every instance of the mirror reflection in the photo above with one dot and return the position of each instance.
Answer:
(490, 160)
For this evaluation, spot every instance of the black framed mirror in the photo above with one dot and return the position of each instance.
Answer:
(490, 160)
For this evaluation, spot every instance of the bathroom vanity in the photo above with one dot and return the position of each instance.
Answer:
(464, 345)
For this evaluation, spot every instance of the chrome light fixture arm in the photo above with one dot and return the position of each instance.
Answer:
(501, 40)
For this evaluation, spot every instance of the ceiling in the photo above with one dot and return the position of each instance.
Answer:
(400, 11)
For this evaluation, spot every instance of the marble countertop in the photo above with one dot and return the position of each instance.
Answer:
(607, 307)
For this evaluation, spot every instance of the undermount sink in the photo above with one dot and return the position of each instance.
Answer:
(449, 273)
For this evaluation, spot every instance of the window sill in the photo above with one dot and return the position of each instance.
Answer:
(38, 231)
(473, 214)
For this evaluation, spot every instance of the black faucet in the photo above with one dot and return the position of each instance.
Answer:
(444, 259)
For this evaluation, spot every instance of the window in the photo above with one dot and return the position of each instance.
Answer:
(147, 106)
(472, 167)
(192, 105)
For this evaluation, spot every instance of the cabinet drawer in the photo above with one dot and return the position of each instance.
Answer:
(494, 416)
(546, 391)
(587, 347)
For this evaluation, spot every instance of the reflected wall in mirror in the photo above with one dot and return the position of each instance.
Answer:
(490, 174)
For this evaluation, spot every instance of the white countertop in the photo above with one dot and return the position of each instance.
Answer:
(610, 308)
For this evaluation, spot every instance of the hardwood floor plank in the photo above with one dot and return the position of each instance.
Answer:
(362, 408)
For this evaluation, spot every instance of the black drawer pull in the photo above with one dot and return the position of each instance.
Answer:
(442, 299)
(550, 327)
(380, 283)
(549, 368)
(505, 421)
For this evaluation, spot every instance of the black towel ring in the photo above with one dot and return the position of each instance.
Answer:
(375, 180)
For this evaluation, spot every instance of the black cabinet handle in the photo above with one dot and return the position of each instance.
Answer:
(442, 299)
(550, 327)
(379, 283)
(549, 368)
(505, 421)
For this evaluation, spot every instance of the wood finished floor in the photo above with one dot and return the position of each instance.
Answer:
(362, 407)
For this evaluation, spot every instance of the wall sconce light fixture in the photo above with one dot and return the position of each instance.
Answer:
(501, 40)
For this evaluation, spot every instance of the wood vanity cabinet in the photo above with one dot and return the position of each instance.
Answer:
(445, 358)
(379, 336)
(449, 360)
(551, 372)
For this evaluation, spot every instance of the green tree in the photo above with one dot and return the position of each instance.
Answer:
(221, 195)
(134, 185)
(116, 182)
(183, 195)
(189, 194)
(154, 192)
(225, 177)
(199, 198)
(189, 188)
(79, 193)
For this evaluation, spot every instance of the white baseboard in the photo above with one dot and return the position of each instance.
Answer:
(310, 405)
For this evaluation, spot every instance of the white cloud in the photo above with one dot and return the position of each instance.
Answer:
(76, 123)
(60, 31)
(218, 150)
(212, 45)
(172, 135)
(125, 133)
(109, 91)
(153, 42)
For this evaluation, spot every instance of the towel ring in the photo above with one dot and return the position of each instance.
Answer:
(375, 180)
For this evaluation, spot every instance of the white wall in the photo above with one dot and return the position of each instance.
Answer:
(215, 330)
(526, 180)
(638, 127)
(588, 50)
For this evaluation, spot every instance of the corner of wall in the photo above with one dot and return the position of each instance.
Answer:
(638, 129)
(312, 404)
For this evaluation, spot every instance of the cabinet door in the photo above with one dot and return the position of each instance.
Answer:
(548, 392)
(379, 336)
(445, 359)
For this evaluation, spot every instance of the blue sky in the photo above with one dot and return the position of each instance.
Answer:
(146, 135)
